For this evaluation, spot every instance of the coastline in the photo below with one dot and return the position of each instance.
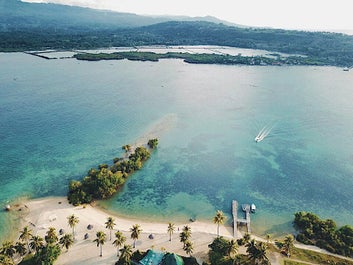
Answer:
(40, 214)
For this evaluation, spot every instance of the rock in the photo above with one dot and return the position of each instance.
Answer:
(8, 207)
(86, 236)
(89, 227)
(151, 236)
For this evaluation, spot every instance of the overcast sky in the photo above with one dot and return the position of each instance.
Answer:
(286, 14)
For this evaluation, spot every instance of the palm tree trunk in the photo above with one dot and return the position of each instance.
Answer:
(218, 230)
(101, 248)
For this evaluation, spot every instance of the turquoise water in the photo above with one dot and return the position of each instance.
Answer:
(58, 118)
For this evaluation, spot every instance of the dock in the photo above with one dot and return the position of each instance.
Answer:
(236, 220)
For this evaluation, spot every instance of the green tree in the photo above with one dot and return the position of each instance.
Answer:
(185, 234)
(20, 248)
(125, 255)
(187, 230)
(170, 230)
(119, 241)
(126, 148)
(51, 236)
(66, 241)
(232, 248)
(218, 219)
(135, 233)
(152, 143)
(288, 245)
(8, 249)
(109, 224)
(257, 252)
(5, 260)
(47, 255)
(268, 238)
(247, 238)
(188, 247)
(25, 235)
(100, 240)
(72, 222)
(36, 243)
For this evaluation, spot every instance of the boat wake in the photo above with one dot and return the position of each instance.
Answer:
(263, 133)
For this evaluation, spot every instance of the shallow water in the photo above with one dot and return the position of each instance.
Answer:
(58, 118)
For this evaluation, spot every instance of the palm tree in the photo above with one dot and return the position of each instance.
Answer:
(135, 233)
(100, 240)
(110, 225)
(262, 258)
(246, 238)
(187, 230)
(25, 235)
(66, 241)
(219, 219)
(232, 248)
(119, 241)
(20, 248)
(171, 229)
(51, 236)
(251, 249)
(36, 243)
(288, 244)
(72, 221)
(257, 252)
(188, 247)
(5, 260)
(184, 236)
(8, 249)
(125, 254)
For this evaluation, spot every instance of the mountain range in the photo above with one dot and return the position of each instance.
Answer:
(32, 26)
(15, 14)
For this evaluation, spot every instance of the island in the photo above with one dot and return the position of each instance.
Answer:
(203, 58)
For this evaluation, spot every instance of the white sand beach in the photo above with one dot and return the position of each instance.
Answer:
(40, 214)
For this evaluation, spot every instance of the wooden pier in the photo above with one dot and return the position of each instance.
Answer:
(236, 220)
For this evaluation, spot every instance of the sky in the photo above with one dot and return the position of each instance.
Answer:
(284, 14)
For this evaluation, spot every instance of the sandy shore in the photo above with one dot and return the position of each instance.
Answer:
(40, 214)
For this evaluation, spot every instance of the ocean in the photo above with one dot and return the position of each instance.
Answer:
(59, 118)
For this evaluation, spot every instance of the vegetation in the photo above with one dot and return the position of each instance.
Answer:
(152, 143)
(109, 224)
(324, 233)
(185, 235)
(204, 58)
(135, 233)
(25, 26)
(100, 240)
(45, 251)
(316, 48)
(119, 241)
(125, 255)
(104, 182)
(72, 221)
(219, 219)
(170, 230)
(315, 257)
(223, 252)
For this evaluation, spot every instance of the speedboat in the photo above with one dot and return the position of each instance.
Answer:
(253, 208)
(259, 138)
